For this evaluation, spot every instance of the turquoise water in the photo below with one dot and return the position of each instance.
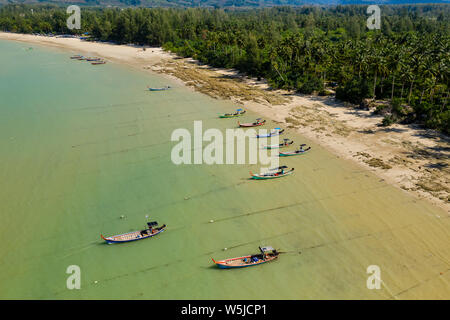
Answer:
(83, 145)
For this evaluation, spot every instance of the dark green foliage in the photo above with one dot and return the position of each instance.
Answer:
(353, 91)
(388, 120)
(293, 48)
(309, 84)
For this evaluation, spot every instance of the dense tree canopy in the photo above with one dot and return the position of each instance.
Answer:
(406, 61)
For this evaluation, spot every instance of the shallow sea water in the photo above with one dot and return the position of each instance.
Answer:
(83, 145)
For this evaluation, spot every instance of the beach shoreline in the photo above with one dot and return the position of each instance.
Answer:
(413, 159)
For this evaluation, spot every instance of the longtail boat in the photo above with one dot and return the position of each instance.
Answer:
(136, 235)
(159, 89)
(273, 133)
(94, 59)
(277, 173)
(295, 152)
(267, 254)
(77, 56)
(284, 144)
(258, 122)
(98, 62)
(238, 113)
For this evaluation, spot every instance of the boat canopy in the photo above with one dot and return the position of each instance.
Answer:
(152, 224)
(266, 249)
(278, 168)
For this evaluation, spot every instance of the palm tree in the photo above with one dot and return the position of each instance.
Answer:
(378, 65)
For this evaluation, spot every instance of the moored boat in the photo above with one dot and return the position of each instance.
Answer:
(136, 235)
(258, 122)
(285, 143)
(77, 56)
(295, 152)
(277, 173)
(159, 89)
(267, 254)
(94, 59)
(98, 62)
(238, 113)
(273, 133)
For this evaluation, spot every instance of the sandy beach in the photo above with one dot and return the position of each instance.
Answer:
(406, 156)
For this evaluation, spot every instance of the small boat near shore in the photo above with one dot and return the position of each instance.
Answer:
(267, 254)
(258, 122)
(98, 62)
(77, 56)
(277, 173)
(295, 152)
(238, 113)
(136, 235)
(285, 143)
(159, 89)
(273, 133)
(94, 59)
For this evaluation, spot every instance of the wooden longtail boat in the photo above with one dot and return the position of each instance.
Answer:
(77, 56)
(136, 235)
(98, 62)
(286, 143)
(273, 133)
(267, 254)
(296, 152)
(280, 172)
(238, 113)
(258, 122)
(159, 89)
(94, 59)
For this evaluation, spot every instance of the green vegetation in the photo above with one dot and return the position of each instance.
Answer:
(406, 62)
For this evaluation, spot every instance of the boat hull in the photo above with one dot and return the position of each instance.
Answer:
(276, 146)
(231, 116)
(258, 177)
(269, 135)
(113, 239)
(249, 125)
(289, 154)
(227, 264)
(158, 89)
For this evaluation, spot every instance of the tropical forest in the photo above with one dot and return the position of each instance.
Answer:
(319, 50)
